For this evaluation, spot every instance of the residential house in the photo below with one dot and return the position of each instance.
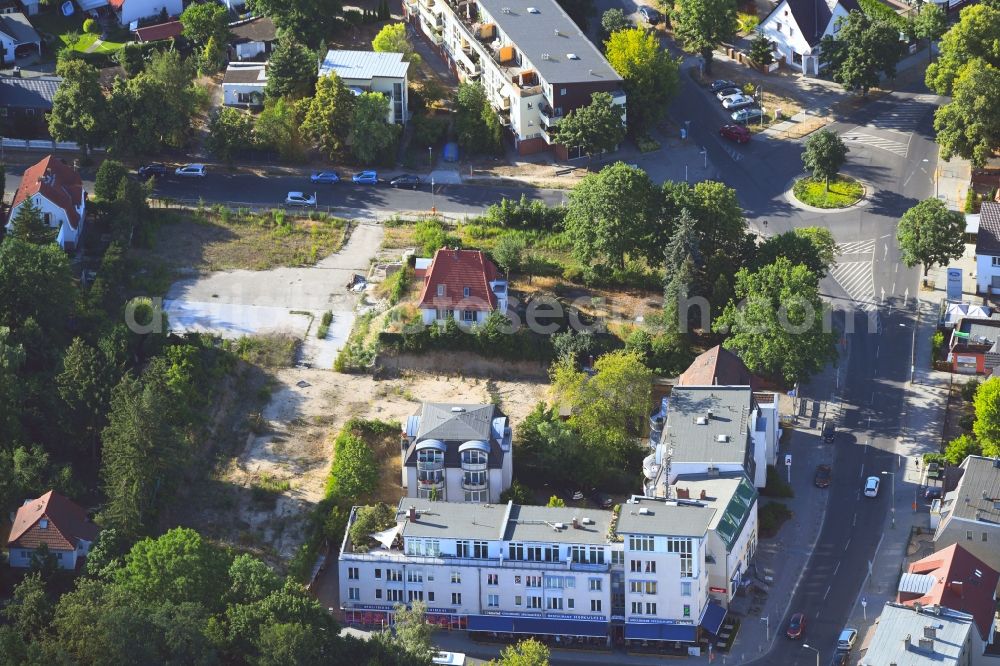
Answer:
(934, 636)
(18, 38)
(532, 60)
(131, 11)
(368, 71)
(159, 32)
(57, 190)
(243, 84)
(796, 27)
(24, 104)
(457, 453)
(955, 578)
(732, 532)
(970, 514)
(533, 570)
(58, 523)
(718, 367)
(252, 39)
(972, 348)
(988, 249)
(463, 285)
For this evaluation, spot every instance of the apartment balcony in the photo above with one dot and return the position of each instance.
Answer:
(431, 484)
(475, 467)
(549, 117)
(432, 466)
(475, 485)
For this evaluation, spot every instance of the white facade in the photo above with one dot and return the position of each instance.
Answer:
(133, 10)
(55, 217)
(467, 317)
(243, 84)
(791, 41)
(368, 71)
(987, 274)
(20, 558)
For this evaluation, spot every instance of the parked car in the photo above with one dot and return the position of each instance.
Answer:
(935, 471)
(747, 115)
(796, 626)
(933, 492)
(573, 494)
(602, 500)
(871, 486)
(406, 180)
(736, 133)
(737, 101)
(846, 639)
(365, 177)
(152, 169)
(829, 432)
(325, 177)
(650, 15)
(300, 199)
(823, 475)
(726, 92)
(719, 84)
(190, 170)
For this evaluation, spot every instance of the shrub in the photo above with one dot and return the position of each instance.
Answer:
(431, 237)
(368, 519)
(267, 488)
(776, 485)
(108, 179)
(771, 517)
(395, 285)
(969, 389)
(970, 201)
(90, 26)
(518, 494)
(937, 343)
(324, 325)
(354, 472)
(524, 214)
(746, 23)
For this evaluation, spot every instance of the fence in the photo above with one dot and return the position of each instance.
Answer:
(42, 144)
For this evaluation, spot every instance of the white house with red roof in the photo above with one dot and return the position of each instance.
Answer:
(57, 190)
(128, 11)
(463, 285)
(55, 521)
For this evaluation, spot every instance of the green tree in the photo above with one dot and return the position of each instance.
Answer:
(613, 20)
(976, 37)
(528, 652)
(230, 131)
(279, 128)
(372, 137)
(35, 285)
(986, 427)
(30, 610)
(760, 50)
(109, 177)
(813, 247)
(330, 114)
(825, 152)
(969, 126)
(132, 58)
(961, 448)
(474, 121)
(509, 252)
(930, 234)
(651, 76)
(930, 24)
(283, 643)
(862, 51)
(212, 57)
(85, 388)
(609, 214)
(701, 25)
(776, 322)
(291, 71)
(79, 110)
(355, 471)
(594, 128)
(154, 109)
(392, 39)
(555, 501)
(206, 21)
(28, 225)
(413, 632)
(310, 21)
(370, 519)
(251, 580)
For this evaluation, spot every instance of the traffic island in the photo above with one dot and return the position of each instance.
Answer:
(843, 192)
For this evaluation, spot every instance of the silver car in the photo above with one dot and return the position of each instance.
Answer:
(300, 199)
(190, 171)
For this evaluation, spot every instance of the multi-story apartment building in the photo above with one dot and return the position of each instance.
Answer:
(457, 453)
(970, 514)
(534, 63)
(552, 571)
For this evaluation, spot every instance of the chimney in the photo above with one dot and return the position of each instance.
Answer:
(576, 523)
(713, 471)
(682, 493)
(412, 514)
(710, 415)
(930, 631)
(927, 644)
(703, 494)
(956, 587)
(906, 642)
(917, 606)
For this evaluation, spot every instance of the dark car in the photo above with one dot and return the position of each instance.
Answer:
(736, 133)
(796, 626)
(829, 432)
(406, 180)
(719, 84)
(602, 500)
(933, 492)
(823, 475)
(651, 16)
(153, 169)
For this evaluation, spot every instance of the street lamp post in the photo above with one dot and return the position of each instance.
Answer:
(809, 647)
(704, 153)
(767, 627)
(430, 157)
(892, 509)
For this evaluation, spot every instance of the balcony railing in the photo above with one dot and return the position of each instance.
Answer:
(475, 467)
(429, 466)
(431, 483)
(475, 485)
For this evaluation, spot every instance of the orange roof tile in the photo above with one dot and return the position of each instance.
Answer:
(457, 271)
(65, 524)
(56, 181)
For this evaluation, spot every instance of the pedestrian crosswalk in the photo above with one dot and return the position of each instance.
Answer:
(732, 152)
(856, 247)
(856, 276)
(903, 117)
(894, 147)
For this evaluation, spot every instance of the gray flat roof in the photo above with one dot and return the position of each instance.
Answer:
(364, 65)
(537, 523)
(887, 645)
(245, 73)
(731, 493)
(33, 93)
(534, 34)
(693, 441)
(665, 517)
(977, 496)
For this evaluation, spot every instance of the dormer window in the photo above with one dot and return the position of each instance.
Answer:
(467, 291)
(440, 290)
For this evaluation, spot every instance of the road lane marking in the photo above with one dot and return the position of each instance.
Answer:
(836, 569)
(848, 544)
(825, 594)
(876, 356)
(895, 147)
(854, 521)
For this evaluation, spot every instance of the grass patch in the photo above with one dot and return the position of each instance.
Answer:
(395, 286)
(61, 32)
(324, 325)
(647, 144)
(269, 351)
(359, 352)
(266, 488)
(844, 191)
(746, 22)
(772, 516)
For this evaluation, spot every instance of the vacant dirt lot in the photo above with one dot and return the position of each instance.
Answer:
(294, 444)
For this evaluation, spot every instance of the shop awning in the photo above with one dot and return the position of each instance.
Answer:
(537, 625)
(660, 631)
(713, 618)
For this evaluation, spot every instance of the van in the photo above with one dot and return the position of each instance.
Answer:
(846, 640)
(449, 658)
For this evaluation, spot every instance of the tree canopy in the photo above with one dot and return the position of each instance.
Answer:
(825, 152)
(651, 76)
(862, 51)
(969, 125)
(291, 70)
(529, 652)
(986, 427)
(701, 25)
(205, 21)
(930, 234)
(308, 21)
(372, 137)
(975, 37)
(813, 247)
(78, 106)
(594, 128)
(29, 226)
(476, 124)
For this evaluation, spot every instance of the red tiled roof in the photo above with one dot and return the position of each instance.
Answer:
(160, 31)
(956, 585)
(67, 524)
(718, 367)
(63, 187)
(458, 270)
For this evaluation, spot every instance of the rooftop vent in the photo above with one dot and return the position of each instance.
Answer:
(722, 438)
(505, 10)
(545, 56)
(587, 521)
(560, 526)
(930, 631)
(456, 410)
(555, 31)
(534, 10)
(644, 511)
(927, 644)
(701, 420)
(572, 56)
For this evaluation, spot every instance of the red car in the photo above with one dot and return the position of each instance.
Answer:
(737, 133)
(796, 626)
(823, 474)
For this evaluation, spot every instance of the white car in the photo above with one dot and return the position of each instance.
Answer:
(191, 170)
(737, 101)
(871, 486)
(300, 199)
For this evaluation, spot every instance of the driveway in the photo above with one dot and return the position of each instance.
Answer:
(232, 304)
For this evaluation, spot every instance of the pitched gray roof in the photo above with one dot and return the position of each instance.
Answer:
(258, 29)
(245, 73)
(951, 638)
(446, 421)
(977, 496)
(535, 35)
(665, 517)
(988, 238)
(363, 65)
(693, 441)
(33, 93)
(19, 28)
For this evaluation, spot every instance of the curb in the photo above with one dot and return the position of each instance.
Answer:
(794, 201)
